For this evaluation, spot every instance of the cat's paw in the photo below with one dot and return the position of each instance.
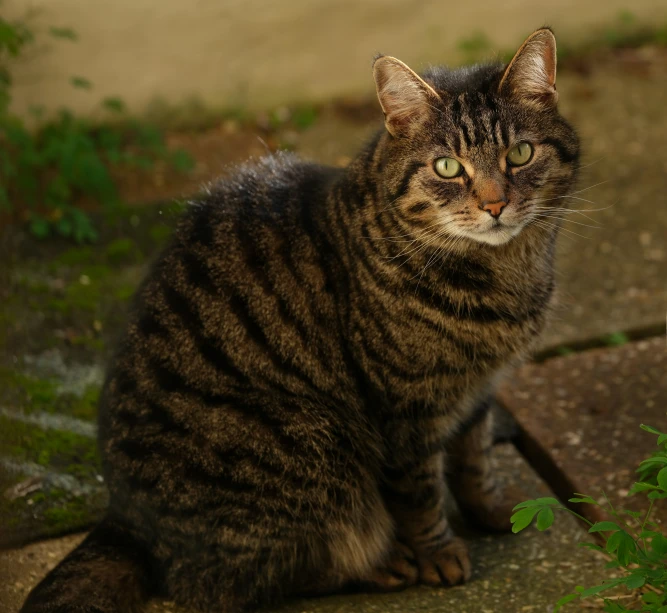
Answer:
(496, 516)
(449, 565)
(399, 571)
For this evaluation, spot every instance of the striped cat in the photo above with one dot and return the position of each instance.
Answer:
(311, 357)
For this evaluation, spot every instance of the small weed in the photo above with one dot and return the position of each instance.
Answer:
(124, 292)
(635, 546)
(160, 233)
(45, 169)
(76, 255)
(616, 339)
(122, 250)
(304, 117)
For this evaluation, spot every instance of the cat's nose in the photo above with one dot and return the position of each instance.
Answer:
(494, 208)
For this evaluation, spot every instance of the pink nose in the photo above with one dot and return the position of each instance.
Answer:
(495, 208)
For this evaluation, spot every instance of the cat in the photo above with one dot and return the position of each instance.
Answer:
(311, 358)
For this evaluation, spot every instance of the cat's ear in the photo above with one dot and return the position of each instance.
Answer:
(531, 75)
(406, 99)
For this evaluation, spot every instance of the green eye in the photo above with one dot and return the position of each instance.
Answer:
(448, 168)
(520, 154)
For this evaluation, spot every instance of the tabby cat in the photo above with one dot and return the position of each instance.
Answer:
(310, 359)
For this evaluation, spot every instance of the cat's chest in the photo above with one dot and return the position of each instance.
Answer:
(425, 351)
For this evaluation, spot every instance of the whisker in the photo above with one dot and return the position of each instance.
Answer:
(565, 212)
(545, 216)
(594, 162)
(555, 227)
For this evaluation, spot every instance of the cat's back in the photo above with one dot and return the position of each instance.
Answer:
(277, 191)
(239, 303)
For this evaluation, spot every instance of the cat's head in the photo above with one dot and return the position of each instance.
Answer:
(477, 152)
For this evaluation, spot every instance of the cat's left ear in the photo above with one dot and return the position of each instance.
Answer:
(406, 99)
(531, 75)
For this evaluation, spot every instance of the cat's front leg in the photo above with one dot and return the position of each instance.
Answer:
(416, 498)
(472, 478)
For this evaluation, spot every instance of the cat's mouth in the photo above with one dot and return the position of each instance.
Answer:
(498, 233)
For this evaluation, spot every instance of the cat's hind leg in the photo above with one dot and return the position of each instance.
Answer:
(471, 475)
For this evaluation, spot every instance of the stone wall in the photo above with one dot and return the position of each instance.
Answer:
(255, 53)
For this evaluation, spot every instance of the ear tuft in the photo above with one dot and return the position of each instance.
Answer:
(531, 75)
(406, 99)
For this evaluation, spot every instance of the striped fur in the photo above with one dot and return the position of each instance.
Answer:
(310, 358)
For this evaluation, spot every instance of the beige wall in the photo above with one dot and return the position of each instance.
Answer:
(262, 53)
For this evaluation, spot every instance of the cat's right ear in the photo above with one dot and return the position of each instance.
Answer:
(406, 99)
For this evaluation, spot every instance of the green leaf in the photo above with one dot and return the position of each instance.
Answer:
(584, 499)
(616, 338)
(662, 479)
(64, 226)
(182, 161)
(650, 429)
(659, 544)
(564, 600)
(604, 526)
(650, 598)
(80, 82)
(114, 104)
(304, 117)
(635, 581)
(67, 33)
(545, 519)
(640, 486)
(40, 227)
(538, 502)
(548, 500)
(654, 460)
(593, 546)
(624, 546)
(607, 585)
(613, 542)
(591, 591)
(521, 519)
(662, 438)
(526, 504)
(37, 111)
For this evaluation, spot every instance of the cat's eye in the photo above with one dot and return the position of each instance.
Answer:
(448, 168)
(520, 154)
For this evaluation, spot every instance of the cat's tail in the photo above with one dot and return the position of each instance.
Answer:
(109, 572)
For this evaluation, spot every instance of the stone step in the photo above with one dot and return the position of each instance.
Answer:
(579, 420)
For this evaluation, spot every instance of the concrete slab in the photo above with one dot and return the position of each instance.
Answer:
(579, 418)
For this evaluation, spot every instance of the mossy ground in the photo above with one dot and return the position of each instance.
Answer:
(62, 307)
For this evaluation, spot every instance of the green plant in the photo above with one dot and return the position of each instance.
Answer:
(49, 167)
(634, 545)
